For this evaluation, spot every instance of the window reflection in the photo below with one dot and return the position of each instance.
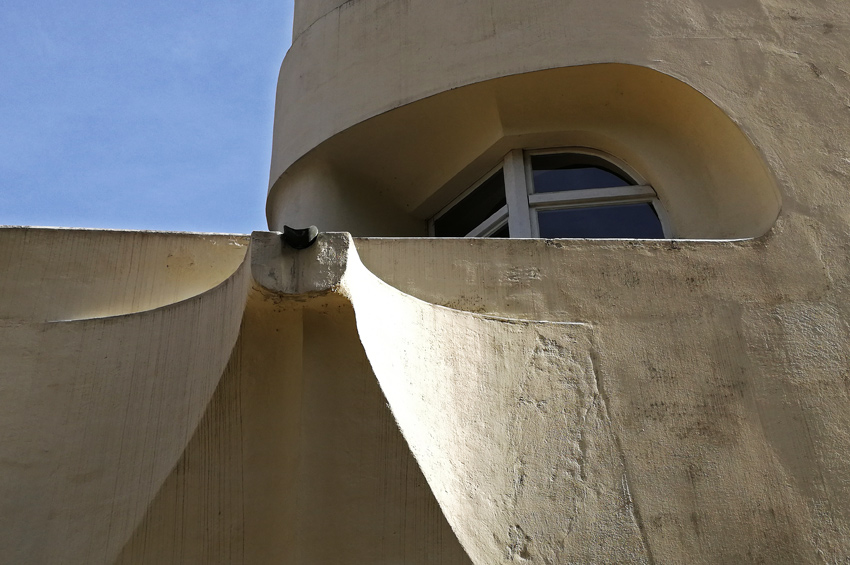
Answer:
(616, 221)
(473, 209)
(570, 171)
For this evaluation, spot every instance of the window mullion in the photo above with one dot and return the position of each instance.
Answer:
(491, 224)
(567, 197)
(516, 191)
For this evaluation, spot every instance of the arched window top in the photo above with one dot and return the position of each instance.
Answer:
(555, 193)
(569, 170)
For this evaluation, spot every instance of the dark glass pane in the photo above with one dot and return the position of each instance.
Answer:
(572, 171)
(470, 212)
(501, 232)
(621, 221)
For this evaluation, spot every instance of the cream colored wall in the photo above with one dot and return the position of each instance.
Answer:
(306, 13)
(412, 161)
(233, 426)
(710, 376)
(680, 403)
(724, 366)
(61, 274)
(325, 198)
(298, 458)
(773, 67)
(95, 413)
(691, 409)
(717, 429)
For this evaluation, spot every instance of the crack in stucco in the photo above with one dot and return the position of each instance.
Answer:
(320, 18)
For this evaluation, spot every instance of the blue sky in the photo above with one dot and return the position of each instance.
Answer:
(138, 115)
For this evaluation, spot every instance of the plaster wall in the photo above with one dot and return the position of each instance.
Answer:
(410, 162)
(61, 274)
(775, 68)
(298, 458)
(687, 399)
(306, 13)
(234, 426)
(97, 411)
(724, 366)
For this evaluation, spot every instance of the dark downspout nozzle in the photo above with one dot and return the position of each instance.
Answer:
(300, 238)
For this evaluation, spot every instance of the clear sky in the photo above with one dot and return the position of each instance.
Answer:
(147, 114)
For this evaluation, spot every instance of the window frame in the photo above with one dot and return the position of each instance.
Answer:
(520, 212)
(491, 225)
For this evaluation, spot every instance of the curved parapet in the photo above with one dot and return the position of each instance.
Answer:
(73, 274)
(553, 441)
(505, 417)
(351, 61)
(97, 412)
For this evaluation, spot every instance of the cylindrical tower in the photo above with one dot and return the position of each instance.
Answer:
(387, 111)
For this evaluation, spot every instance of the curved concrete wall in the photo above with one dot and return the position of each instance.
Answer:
(97, 412)
(406, 164)
(61, 274)
(306, 13)
(769, 67)
(723, 366)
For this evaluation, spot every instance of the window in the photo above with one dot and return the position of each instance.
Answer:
(573, 193)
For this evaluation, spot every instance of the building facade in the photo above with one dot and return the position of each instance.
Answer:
(639, 354)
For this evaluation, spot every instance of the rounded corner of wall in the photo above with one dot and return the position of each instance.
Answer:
(106, 273)
(271, 201)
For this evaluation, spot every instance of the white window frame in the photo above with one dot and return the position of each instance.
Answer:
(520, 213)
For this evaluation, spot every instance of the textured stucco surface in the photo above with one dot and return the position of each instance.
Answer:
(173, 398)
(96, 412)
(235, 426)
(724, 364)
(61, 274)
(365, 57)
(508, 421)
(387, 175)
(609, 401)
(297, 459)
(776, 68)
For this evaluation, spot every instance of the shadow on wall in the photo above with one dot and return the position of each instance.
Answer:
(388, 175)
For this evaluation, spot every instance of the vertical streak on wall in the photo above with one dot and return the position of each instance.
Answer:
(271, 413)
(298, 459)
(232, 497)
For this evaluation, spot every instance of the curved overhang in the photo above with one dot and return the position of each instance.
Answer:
(352, 60)
(387, 175)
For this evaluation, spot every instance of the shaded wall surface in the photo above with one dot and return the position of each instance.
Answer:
(297, 460)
